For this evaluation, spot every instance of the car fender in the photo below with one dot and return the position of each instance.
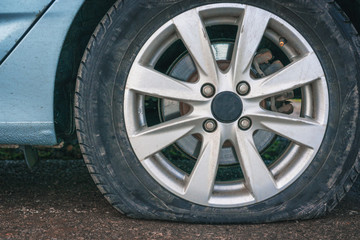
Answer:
(27, 78)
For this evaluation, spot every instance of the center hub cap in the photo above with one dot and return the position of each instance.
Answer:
(227, 107)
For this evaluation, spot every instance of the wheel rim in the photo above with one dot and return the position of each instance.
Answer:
(304, 132)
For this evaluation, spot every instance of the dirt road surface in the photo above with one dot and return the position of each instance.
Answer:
(60, 201)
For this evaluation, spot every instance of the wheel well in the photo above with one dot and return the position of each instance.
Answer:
(352, 10)
(78, 36)
(74, 46)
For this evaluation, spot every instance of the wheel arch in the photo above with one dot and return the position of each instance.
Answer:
(78, 36)
(352, 10)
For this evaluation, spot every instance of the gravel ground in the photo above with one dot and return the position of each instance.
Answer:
(59, 201)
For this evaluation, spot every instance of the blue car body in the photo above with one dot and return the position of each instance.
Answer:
(32, 34)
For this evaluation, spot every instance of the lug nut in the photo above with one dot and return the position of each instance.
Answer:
(210, 125)
(243, 88)
(208, 90)
(244, 123)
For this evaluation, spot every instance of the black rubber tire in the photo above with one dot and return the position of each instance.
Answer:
(127, 185)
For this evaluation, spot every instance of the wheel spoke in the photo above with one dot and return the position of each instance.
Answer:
(258, 179)
(201, 181)
(153, 139)
(193, 34)
(303, 131)
(153, 83)
(250, 33)
(297, 74)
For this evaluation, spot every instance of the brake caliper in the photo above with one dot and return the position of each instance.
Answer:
(264, 65)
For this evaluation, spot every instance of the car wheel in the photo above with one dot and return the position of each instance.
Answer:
(218, 112)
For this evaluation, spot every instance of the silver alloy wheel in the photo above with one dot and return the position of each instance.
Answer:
(305, 132)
